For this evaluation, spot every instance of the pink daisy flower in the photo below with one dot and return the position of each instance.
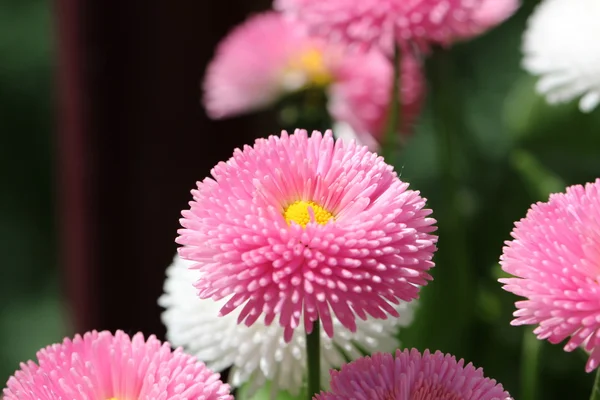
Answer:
(299, 227)
(554, 259)
(100, 366)
(360, 94)
(381, 23)
(409, 376)
(258, 62)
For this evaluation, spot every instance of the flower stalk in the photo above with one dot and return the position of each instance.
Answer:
(313, 360)
(596, 388)
(391, 145)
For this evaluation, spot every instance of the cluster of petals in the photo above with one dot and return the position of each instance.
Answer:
(408, 375)
(360, 94)
(254, 65)
(386, 23)
(269, 56)
(553, 258)
(258, 354)
(102, 366)
(560, 46)
(373, 252)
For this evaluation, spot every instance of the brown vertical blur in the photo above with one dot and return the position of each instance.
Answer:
(133, 139)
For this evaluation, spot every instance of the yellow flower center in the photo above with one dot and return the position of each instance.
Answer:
(312, 64)
(299, 213)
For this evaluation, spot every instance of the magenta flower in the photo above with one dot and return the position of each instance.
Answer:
(410, 376)
(298, 227)
(554, 258)
(269, 56)
(100, 366)
(259, 61)
(381, 23)
(360, 94)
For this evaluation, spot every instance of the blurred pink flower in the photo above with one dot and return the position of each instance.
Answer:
(408, 376)
(381, 23)
(259, 61)
(100, 366)
(554, 259)
(297, 227)
(360, 94)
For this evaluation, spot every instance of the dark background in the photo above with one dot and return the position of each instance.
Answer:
(102, 135)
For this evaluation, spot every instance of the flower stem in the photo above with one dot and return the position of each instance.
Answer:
(530, 360)
(391, 145)
(596, 389)
(313, 360)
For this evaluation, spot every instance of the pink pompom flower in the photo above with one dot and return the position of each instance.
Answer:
(360, 94)
(269, 56)
(408, 376)
(381, 23)
(103, 366)
(554, 259)
(262, 59)
(298, 227)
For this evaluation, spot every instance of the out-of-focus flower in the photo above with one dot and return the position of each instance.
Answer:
(100, 366)
(560, 45)
(361, 94)
(409, 375)
(259, 61)
(258, 353)
(300, 227)
(554, 259)
(269, 56)
(381, 23)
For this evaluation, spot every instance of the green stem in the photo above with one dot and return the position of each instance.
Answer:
(530, 360)
(391, 144)
(596, 389)
(313, 360)
(454, 273)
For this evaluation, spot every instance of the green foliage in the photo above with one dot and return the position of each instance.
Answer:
(31, 314)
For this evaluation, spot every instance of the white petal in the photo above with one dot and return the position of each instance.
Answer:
(560, 45)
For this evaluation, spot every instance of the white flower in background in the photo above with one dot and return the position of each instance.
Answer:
(259, 353)
(561, 46)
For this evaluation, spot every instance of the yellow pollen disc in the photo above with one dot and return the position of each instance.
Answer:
(298, 212)
(312, 63)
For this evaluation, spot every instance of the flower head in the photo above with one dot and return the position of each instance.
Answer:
(259, 61)
(259, 353)
(560, 46)
(100, 366)
(360, 94)
(408, 376)
(302, 227)
(381, 23)
(554, 259)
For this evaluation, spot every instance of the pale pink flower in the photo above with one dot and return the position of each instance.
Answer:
(554, 258)
(262, 59)
(409, 376)
(360, 94)
(381, 23)
(298, 227)
(100, 366)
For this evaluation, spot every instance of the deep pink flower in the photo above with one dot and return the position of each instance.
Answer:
(411, 376)
(381, 23)
(297, 227)
(554, 257)
(100, 366)
(360, 94)
(258, 62)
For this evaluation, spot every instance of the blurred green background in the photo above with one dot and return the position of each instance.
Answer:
(509, 150)
(31, 312)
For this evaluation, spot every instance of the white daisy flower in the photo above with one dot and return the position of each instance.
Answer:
(560, 45)
(258, 354)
